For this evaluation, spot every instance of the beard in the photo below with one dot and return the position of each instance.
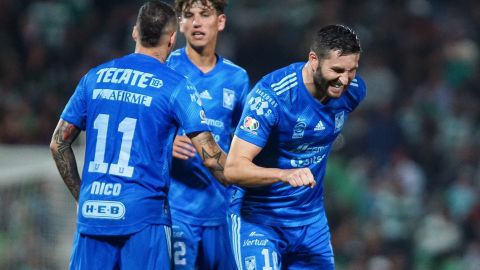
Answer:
(322, 84)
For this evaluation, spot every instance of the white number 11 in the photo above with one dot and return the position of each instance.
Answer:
(127, 127)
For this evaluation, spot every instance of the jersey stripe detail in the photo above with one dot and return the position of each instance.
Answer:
(273, 85)
(236, 243)
(168, 236)
(288, 87)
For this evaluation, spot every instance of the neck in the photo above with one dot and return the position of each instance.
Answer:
(313, 89)
(160, 53)
(204, 58)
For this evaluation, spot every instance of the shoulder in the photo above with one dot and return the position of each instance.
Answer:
(355, 93)
(175, 56)
(232, 66)
(233, 69)
(357, 89)
(283, 80)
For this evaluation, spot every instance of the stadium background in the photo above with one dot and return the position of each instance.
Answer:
(403, 183)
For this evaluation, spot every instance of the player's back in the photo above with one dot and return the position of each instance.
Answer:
(294, 130)
(130, 123)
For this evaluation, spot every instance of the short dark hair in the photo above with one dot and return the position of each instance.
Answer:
(335, 37)
(153, 20)
(218, 5)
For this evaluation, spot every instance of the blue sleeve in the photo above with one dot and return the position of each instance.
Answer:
(75, 111)
(259, 116)
(187, 108)
(240, 103)
(356, 93)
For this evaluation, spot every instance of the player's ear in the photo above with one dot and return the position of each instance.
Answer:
(180, 24)
(222, 20)
(172, 39)
(135, 33)
(313, 60)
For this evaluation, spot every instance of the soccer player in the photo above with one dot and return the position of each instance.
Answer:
(279, 153)
(130, 109)
(200, 231)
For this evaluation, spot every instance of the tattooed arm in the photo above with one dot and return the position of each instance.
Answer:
(62, 152)
(212, 155)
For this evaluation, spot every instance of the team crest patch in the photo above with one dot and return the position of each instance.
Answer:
(250, 263)
(228, 98)
(339, 121)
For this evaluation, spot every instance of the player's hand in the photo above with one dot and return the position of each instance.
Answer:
(183, 148)
(298, 177)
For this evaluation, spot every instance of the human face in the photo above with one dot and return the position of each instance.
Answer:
(333, 74)
(200, 24)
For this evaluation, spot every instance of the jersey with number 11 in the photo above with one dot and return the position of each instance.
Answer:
(130, 108)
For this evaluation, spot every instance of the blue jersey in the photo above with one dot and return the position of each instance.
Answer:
(294, 130)
(130, 109)
(223, 91)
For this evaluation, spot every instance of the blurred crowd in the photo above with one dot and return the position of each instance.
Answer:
(403, 183)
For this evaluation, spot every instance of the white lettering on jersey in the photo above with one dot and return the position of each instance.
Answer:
(307, 148)
(124, 96)
(128, 76)
(196, 98)
(267, 97)
(255, 242)
(102, 188)
(300, 163)
(214, 123)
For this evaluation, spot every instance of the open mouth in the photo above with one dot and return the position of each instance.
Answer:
(198, 34)
(337, 84)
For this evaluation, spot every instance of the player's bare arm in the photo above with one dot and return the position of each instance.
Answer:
(62, 152)
(240, 169)
(212, 155)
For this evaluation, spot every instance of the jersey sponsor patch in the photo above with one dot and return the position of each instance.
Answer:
(258, 105)
(305, 162)
(123, 96)
(128, 76)
(299, 129)
(103, 209)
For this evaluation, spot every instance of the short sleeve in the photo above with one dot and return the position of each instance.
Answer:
(75, 112)
(260, 115)
(187, 108)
